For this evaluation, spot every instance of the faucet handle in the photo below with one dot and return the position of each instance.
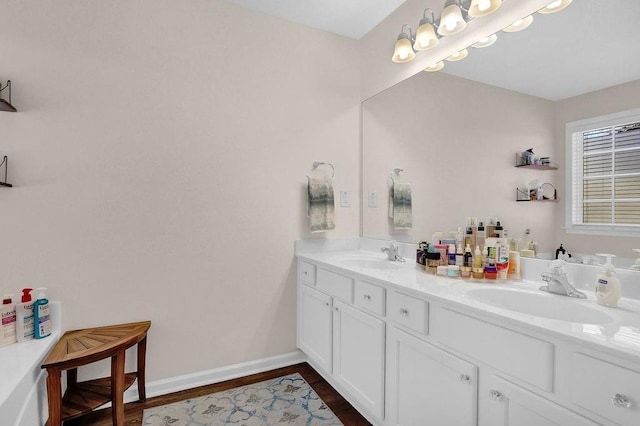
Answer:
(557, 267)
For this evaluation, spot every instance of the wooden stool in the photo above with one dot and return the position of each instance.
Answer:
(80, 347)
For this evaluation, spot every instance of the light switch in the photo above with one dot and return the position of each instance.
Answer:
(373, 199)
(345, 199)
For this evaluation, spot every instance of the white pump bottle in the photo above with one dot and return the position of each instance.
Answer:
(607, 284)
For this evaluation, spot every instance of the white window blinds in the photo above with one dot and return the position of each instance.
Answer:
(605, 176)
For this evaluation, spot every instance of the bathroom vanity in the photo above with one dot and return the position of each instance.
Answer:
(408, 348)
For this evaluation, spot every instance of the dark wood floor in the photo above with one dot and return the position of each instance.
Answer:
(133, 411)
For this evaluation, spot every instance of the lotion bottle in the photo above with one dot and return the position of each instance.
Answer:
(41, 315)
(25, 328)
(8, 321)
(607, 284)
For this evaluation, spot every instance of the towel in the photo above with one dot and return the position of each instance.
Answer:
(400, 205)
(320, 206)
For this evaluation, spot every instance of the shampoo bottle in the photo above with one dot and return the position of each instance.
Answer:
(481, 235)
(8, 324)
(41, 316)
(25, 328)
(607, 284)
(478, 267)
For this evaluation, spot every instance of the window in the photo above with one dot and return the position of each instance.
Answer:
(603, 175)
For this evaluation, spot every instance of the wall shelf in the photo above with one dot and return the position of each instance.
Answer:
(522, 162)
(4, 104)
(5, 163)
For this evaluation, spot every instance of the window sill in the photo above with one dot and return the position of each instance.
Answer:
(604, 230)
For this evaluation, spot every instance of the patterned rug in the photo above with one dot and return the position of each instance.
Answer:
(286, 400)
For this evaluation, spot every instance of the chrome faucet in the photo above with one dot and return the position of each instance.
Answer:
(392, 252)
(557, 281)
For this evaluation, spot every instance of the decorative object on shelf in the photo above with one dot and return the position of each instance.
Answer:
(537, 191)
(5, 163)
(4, 104)
(528, 159)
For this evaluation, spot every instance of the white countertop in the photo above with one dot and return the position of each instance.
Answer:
(619, 335)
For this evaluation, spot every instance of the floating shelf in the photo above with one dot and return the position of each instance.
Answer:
(4, 104)
(5, 163)
(540, 201)
(520, 162)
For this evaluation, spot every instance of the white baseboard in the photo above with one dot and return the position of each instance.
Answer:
(201, 378)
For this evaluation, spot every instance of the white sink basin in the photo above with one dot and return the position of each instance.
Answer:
(370, 261)
(551, 306)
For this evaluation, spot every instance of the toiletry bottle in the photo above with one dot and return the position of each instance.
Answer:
(607, 284)
(467, 264)
(499, 231)
(478, 268)
(24, 317)
(452, 254)
(41, 316)
(8, 324)
(459, 256)
(459, 236)
(481, 235)
(469, 240)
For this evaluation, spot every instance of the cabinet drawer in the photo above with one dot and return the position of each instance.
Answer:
(370, 297)
(603, 388)
(408, 311)
(335, 284)
(523, 357)
(307, 273)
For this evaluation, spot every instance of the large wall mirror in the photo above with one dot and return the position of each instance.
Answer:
(455, 133)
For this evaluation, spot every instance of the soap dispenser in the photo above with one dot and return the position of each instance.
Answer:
(41, 316)
(607, 284)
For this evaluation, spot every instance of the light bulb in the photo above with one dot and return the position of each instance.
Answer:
(479, 8)
(426, 37)
(555, 6)
(451, 20)
(519, 24)
(458, 56)
(486, 41)
(435, 67)
(403, 51)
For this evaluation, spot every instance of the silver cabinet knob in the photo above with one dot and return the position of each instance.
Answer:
(326, 303)
(621, 401)
(495, 395)
(404, 312)
(336, 309)
(464, 378)
(367, 297)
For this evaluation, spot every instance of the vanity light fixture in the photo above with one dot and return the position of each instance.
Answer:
(435, 67)
(4, 104)
(458, 56)
(486, 41)
(480, 8)
(451, 19)
(403, 51)
(518, 25)
(555, 6)
(426, 37)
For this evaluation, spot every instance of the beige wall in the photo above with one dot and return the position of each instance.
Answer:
(456, 139)
(159, 161)
(607, 101)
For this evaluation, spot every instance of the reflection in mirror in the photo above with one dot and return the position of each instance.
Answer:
(455, 132)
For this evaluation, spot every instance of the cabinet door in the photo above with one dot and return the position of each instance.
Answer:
(358, 356)
(505, 404)
(428, 386)
(314, 325)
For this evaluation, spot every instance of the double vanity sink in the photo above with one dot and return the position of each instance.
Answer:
(513, 296)
(409, 348)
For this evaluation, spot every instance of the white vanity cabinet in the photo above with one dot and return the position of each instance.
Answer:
(404, 357)
(314, 326)
(341, 337)
(503, 403)
(358, 355)
(426, 385)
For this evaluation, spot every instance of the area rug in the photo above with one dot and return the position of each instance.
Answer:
(286, 400)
